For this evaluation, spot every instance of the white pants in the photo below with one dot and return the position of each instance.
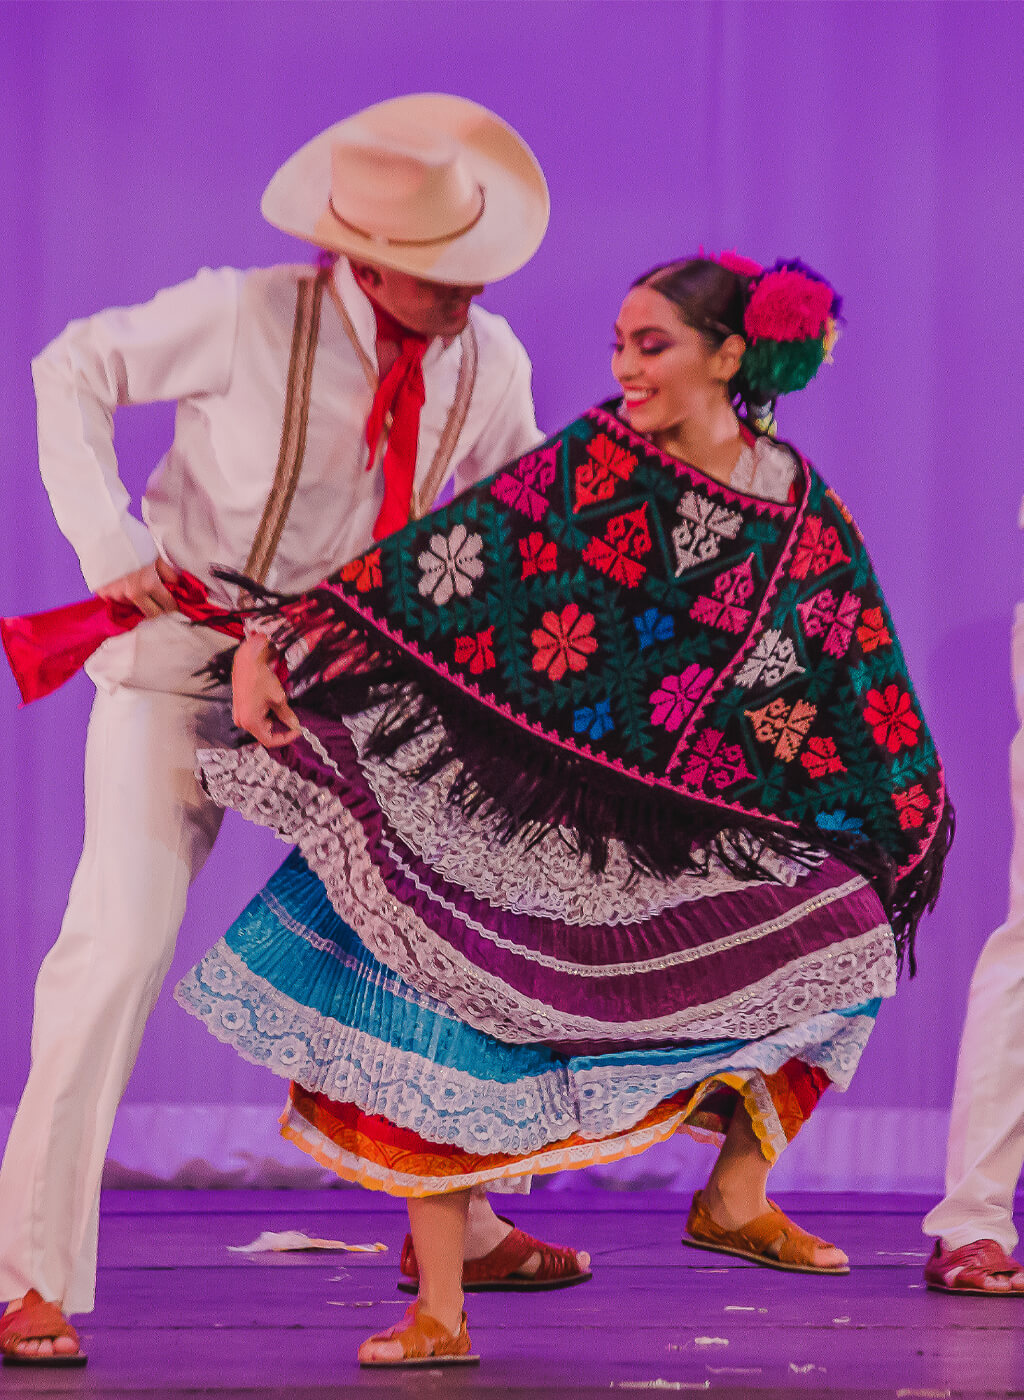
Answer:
(986, 1132)
(148, 829)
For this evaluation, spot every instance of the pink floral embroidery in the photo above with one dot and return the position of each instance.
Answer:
(890, 713)
(364, 573)
(626, 539)
(563, 641)
(912, 804)
(538, 557)
(730, 590)
(872, 631)
(818, 549)
(823, 616)
(712, 762)
(607, 464)
(821, 757)
(525, 486)
(677, 696)
(478, 651)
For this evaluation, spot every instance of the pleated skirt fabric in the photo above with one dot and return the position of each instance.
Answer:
(394, 1089)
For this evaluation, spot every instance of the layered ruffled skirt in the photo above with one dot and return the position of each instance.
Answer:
(452, 1011)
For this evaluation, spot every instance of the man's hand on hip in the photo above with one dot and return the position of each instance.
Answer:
(259, 703)
(145, 588)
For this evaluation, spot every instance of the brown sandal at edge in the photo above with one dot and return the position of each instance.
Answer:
(754, 1240)
(424, 1343)
(496, 1272)
(37, 1321)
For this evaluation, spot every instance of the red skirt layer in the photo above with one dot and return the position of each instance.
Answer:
(374, 1152)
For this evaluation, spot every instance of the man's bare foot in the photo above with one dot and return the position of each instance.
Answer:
(45, 1346)
(732, 1207)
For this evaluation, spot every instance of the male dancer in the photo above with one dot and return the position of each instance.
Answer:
(973, 1224)
(392, 388)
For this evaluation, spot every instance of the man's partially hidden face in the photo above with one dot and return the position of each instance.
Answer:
(429, 308)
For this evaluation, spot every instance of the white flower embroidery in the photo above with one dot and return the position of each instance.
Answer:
(450, 565)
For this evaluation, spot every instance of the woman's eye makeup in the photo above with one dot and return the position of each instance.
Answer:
(649, 345)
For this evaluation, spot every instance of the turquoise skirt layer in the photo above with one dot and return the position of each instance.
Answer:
(292, 988)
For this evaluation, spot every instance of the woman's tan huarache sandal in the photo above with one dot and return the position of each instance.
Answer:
(424, 1342)
(771, 1239)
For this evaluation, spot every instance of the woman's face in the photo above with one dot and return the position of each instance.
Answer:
(668, 372)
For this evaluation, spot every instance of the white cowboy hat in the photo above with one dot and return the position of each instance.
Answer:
(433, 185)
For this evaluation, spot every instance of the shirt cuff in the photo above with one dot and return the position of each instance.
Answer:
(130, 548)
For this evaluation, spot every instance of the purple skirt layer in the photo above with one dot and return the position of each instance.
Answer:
(700, 953)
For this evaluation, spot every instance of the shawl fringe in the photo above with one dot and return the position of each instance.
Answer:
(530, 787)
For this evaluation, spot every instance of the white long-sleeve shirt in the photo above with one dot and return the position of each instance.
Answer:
(219, 344)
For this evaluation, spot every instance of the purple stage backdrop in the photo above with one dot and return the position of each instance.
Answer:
(881, 142)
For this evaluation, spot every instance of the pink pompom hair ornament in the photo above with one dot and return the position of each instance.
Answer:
(791, 325)
(790, 302)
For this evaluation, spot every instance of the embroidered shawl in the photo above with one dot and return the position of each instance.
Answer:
(610, 642)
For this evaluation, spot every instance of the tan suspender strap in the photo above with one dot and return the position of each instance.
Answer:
(293, 432)
(424, 498)
(369, 368)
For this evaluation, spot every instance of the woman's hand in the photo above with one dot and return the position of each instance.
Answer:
(259, 703)
(144, 588)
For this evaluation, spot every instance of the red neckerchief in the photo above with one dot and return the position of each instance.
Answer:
(400, 394)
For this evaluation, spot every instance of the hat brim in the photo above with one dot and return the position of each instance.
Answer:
(516, 200)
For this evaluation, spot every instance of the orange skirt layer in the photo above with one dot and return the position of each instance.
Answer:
(374, 1152)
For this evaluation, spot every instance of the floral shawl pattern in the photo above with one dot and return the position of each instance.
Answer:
(722, 660)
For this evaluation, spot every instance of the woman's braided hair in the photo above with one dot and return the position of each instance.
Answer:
(787, 314)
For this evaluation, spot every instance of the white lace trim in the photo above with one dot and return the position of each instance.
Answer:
(441, 1103)
(334, 845)
(549, 880)
(611, 1097)
(471, 1111)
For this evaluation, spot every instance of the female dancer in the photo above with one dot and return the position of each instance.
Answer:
(615, 810)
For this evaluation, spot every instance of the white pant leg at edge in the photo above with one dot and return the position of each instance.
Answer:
(986, 1132)
(149, 828)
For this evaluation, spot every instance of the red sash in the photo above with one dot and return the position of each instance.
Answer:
(46, 649)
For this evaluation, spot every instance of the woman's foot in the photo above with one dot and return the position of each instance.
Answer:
(62, 1341)
(485, 1231)
(420, 1339)
(739, 1205)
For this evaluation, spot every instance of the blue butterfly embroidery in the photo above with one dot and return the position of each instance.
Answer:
(654, 626)
(596, 721)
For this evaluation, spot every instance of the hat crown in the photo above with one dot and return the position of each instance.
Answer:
(402, 185)
(430, 184)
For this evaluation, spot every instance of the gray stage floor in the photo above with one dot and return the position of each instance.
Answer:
(177, 1314)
